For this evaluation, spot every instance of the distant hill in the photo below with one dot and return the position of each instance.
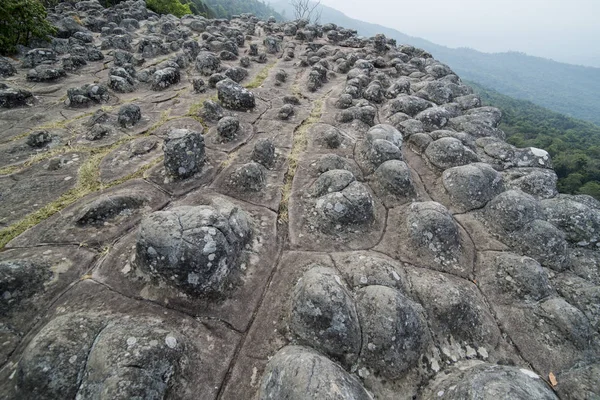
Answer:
(569, 89)
(227, 8)
(573, 144)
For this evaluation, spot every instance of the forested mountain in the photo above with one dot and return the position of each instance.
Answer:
(573, 144)
(227, 8)
(569, 89)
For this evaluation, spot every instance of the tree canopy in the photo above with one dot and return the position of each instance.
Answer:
(20, 21)
(573, 144)
(174, 7)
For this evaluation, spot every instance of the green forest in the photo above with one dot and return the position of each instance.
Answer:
(573, 144)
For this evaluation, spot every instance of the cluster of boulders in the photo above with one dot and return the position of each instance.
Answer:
(423, 256)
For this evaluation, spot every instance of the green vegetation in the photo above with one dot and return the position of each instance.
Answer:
(299, 144)
(573, 144)
(227, 8)
(174, 7)
(260, 77)
(198, 7)
(20, 21)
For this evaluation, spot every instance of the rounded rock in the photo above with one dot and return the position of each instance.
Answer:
(264, 152)
(490, 382)
(250, 177)
(431, 226)
(394, 176)
(580, 222)
(448, 152)
(542, 241)
(381, 150)
(285, 112)
(184, 152)
(512, 209)
(301, 373)
(323, 315)
(228, 127)
(472, 186)
(332, 181)
(207, 63)
(193, 248)
(234, 96)
(519, 277)
(129, 115)
(394, 332)
(353, 205)
(332, 138)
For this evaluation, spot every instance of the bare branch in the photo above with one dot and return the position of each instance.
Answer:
(306, 9)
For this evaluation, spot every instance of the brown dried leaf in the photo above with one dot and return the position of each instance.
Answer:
(553, 380)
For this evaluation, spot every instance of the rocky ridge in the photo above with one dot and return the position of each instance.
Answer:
(245, 209)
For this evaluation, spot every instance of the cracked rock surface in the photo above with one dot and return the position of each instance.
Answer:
(245, 209)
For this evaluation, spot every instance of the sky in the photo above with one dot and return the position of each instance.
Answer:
(563, 30)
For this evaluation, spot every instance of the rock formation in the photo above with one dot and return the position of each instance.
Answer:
(242, 209)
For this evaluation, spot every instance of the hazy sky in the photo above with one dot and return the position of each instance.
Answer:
(565, 30)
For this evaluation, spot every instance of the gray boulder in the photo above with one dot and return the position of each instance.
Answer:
(472, 186)
(184, 153)
(21, 280)
(352, 205)
(431, 226)
(6, 68)
(38, 139)
(236, 74)
(199, 85)
(436, 91)
(334, 180)
(264, 152)
(228, 128)
(272, 44)
(87, 95)
(45, 73)
(512, 210)
(301, 373)
(132, 358)
(193, 248)
(234, 96)
(394, 176)
(490, 382)
(516, 278)
(35, 57)
(53, 362)
(163, 78)
(409, 105)
(434, 118)
(129, 115)
(207, 63)
(538, 182)
(250, 177)
(580, 223)
(544, 242)
(449, 152)
(394, 332)
(285, 112)
(212, 111)
(323, 315)
(121, 84)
